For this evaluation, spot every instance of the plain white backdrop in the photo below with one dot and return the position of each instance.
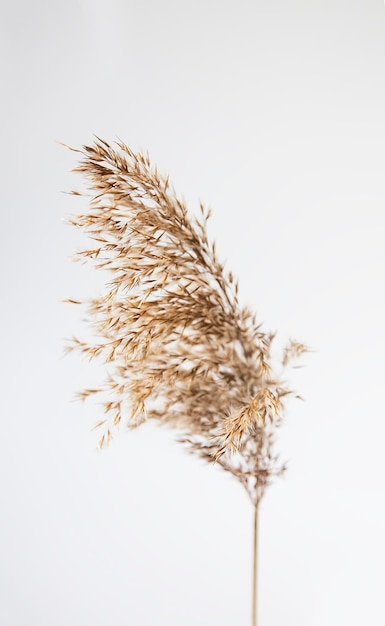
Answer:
(272, 113)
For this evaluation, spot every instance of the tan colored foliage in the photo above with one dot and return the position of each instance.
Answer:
(177, 346)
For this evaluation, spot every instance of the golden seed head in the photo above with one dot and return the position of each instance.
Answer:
(177, 346)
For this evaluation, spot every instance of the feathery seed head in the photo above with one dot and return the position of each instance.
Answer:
(178, 347)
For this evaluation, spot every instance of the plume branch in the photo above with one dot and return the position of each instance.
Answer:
(176, 344)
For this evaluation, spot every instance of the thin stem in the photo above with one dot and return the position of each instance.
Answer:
(255, 561)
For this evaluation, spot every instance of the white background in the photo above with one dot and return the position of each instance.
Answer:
(272, 113)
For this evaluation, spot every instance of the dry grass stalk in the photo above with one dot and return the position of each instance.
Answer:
(178, 346)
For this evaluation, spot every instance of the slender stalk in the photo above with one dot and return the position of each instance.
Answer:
(255, 562)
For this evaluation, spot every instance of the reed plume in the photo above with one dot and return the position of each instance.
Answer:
(177, 346)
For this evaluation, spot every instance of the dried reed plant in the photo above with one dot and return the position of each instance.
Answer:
(178, 346)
